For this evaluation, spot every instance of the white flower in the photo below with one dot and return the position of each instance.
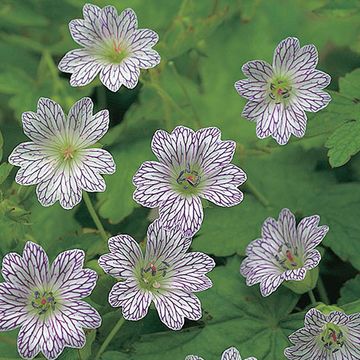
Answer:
(192, 165)
(335, 336)
(166, 276)
(229, 354)
(45, 301)
(279, 94)
(284, 252)
(58, 159)
(112, 46)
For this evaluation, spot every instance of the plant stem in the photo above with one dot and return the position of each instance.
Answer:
(312, 297)
(111, 335)
(253, 190)
(94, 216)
(322, 291)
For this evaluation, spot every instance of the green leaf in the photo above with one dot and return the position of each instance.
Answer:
(117, 202)
(5, 170)
(235, 315)
(350, 291)
(283, 178)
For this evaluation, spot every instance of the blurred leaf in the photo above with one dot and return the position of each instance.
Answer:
(350, 291)
(5, 170)
(340, 8)
(117, 202)
(235, 315)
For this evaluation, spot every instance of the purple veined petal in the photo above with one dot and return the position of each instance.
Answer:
(62, 186)
(221, 189)
(338, 318)
(81, 314)
(84, 32)
(287, 227)
(187, 213)
(313, 258)
(193, 357)
(270, 284)
(270, 231)
(285, 54)
(134, 302)
(152, 182)
(295, 119)
(306, 59)
(231, 354)
(313, 99)
(13, 306)
(146, 58)
(29, 338)
(176, 305)
(169, 245)
(314, 319)
(314, 79)
(35, 164)
(129, 73)
(98, 160)
(111, 77)
(81, 65)
(252, 89)
(79, 116)
(45, 123)
(37, 263)
(253, 110)
(188, 274)
(258, 70)
(89, 180)
(269, 120)
(91, 12)
(125, 254)
(69, 277)
(212, 153)
(143, 39)
(307, 349)
(295, 275)
(310, 233)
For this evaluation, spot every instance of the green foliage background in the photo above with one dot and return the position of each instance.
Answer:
(203, 44)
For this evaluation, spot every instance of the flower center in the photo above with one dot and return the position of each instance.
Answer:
(332, 338)
(152, 274)
(115, 52)
(43, 302)
(188, 180)
(288, 257)
(279, 89)
(68, 152)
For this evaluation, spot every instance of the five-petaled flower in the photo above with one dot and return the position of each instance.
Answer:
(58, 158)
(324, 337)
(166, 275)
(46, 301)
(229, 354)
(193, 165)
(284, 252)
(279, 94)
(112, 46)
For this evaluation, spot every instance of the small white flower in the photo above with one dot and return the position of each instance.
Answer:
(284, 252)
(335, 336)
(192, 165)
(166, 276)
(58, 159)
(229, 354)
(280, 94)
(45, 301)
(112, 46)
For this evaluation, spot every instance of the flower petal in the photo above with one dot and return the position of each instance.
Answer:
(313, 99)
(222, 189)
(81, 314)
(176, 305)
(111, 77)
(152, 182)
(258, 70)
(13, 306)
(29, 338)
(98, 160)
(169, 245)
(143, 39)
(125, 254)
(231, 354)
(187, 213)
(145, 59)
(133, 301)
(251, 89)
(309, 233)
(84, 32)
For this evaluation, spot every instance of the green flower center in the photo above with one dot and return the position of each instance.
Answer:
(188, 180)
(115, 52)
(153, 274)
(280, 89)
(68, 152)
(332, 338)
(43, 302)
(288, 257)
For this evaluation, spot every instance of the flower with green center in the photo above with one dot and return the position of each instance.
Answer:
(112, 46)
(192, 165)
(59, 160)
(46, 301)
(285, 252)
(166, 275)
(334, 335)
(279, 95)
